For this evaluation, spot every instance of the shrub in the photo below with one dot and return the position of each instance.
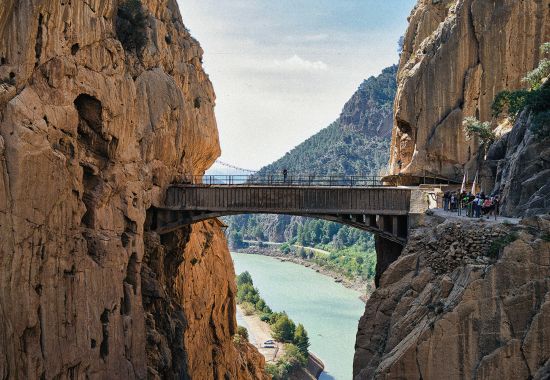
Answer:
(265, 317)
(248, 308)
(498, 245)
(536, 100)
(474, 127)
(292, 359)
(285, 248)
(243, 332)
(130, 25)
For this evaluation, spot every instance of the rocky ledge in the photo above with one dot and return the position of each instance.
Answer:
(472, 295)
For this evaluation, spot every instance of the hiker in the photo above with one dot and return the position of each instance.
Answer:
(478, 203)
(487, 206)
(470, 206)
(453, 201)
(496, 205)
(446, 200)
(475, 206)
(285, 173)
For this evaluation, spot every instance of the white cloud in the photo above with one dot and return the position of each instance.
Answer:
(297, 63)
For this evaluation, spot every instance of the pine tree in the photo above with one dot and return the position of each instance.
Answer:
(301, 340)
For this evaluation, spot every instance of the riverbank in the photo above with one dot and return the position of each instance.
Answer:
(272, 250)
(258, 333)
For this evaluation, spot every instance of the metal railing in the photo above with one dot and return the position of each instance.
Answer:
(281, 180)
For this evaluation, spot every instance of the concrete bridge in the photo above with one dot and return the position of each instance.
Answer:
(358, 202)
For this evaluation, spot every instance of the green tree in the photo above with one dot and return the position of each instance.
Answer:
(301, 340)
(536, 99)
(260, 305)
(236, 240)
(474, 127)
(244, 278)
(283, 329)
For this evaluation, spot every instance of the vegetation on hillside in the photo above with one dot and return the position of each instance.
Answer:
(535, 99)
(283, 328)
(352, 144)
(355, 144)
(482, 130)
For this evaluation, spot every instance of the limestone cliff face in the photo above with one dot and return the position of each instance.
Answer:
(519, 163)
(464, 301)
(91, 133)
(458, 54)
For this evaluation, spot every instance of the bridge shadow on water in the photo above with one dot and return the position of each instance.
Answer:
(326, 376)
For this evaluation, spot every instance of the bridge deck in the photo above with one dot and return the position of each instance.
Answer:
(291, 199)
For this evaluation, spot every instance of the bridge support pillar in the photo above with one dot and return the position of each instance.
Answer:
(387, 252)
(360, 218)
(387, 223)
(371, 220)
(395, 226)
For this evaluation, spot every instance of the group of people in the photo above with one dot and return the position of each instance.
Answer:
(476, 206)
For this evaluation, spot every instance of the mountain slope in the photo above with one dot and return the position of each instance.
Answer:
(357, 143)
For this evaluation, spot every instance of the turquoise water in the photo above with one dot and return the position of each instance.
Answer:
(328, 310)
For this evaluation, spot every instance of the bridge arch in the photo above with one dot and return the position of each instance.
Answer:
(384, 211)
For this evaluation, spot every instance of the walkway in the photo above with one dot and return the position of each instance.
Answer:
(491, 219)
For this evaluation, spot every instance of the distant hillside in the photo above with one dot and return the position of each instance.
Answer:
(357, 143)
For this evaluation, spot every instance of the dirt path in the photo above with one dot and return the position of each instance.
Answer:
(258, 333)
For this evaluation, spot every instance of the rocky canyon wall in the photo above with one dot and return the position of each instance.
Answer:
(458, 54)
(465, 300)
(91, 133)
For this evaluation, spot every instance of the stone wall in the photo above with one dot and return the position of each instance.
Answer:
(91, 134)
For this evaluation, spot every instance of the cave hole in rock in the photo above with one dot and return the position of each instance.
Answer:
(38, 43)
(104, 346)
(130, 284)
(197, 102)
(130, 230)
(75, 48)
(2, 61)
(90, 180)
(90, 128)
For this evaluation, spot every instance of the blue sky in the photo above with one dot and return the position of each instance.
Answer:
(282, 70)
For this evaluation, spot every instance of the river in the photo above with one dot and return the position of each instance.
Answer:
(328, 310)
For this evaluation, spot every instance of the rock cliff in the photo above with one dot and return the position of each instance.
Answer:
(518, 168)
(91, 132)
(466, 300)
(458, 54)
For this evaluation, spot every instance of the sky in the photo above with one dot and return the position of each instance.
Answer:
(283, 69)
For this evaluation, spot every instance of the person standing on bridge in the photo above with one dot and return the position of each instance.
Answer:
(285, 174)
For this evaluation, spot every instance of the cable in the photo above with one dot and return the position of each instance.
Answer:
(220, 162)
